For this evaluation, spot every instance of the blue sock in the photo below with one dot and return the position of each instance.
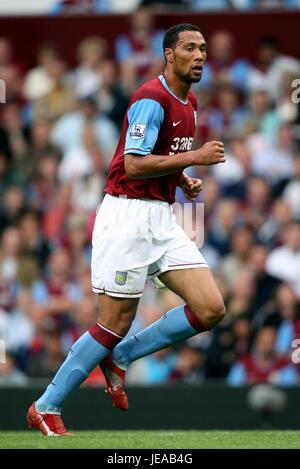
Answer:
(176, 325)
(90, 349)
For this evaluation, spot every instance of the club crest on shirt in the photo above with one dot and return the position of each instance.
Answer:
(120, 278)
(137, 131)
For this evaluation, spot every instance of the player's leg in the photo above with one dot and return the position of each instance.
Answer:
(120, 321)
(91, 348)
(203, 310)
(197, 287)
(113, 249)
(115, 316)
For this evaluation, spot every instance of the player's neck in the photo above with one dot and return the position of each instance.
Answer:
(179, 88)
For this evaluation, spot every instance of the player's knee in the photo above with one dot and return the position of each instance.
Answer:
(120, 327)
(118, 323)
(123, 326)
(214, 313)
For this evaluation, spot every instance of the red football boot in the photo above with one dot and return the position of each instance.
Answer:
(115, 378)
(48, 424)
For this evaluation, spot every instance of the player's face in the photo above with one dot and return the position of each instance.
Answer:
(189, 56)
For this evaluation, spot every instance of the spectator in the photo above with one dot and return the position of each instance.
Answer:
(10, 375)
(6, 178)
(38, 82)
(43, 361)
(10, 253)
(68, 130)
(279, 307)
(76, 242)
(284, 262)
(10, 72)
(232, 264)
(238, 170)
(266, 4)
(256, 203)
(271, 232)
(139, 53)
(87, 77)
(54, 220)
(289, 311)
(17, 134)
(80, 7)
(19, 329)
(85, 313)
(110, 97)
(189, 366)
(211, 5)
(24, 165)
(242, 336)
(261, 118)
(271, 64)
(33, 243)
(40, 139)
(154, 369)
(266, 284)
(291, 193)
(223, 67)
(218, 352)
(58, 292)
(225, 219)
(44, 185)
(232, 177)
(225, 121)
(78, 162)
(241, 295)
(60, 99)
(275, 162)
(263, 365)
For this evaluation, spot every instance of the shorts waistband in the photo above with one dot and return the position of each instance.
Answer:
(125, 197)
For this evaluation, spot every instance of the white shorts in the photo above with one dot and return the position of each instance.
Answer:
(136, 239)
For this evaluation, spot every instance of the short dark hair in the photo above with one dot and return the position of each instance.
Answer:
(172, 34)
(270, 42)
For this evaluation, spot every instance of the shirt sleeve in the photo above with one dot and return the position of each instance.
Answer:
(145, 118)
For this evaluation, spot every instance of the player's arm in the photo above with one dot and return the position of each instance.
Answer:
(162, 165)
(145, 118)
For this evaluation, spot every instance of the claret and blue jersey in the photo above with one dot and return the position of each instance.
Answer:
(157, 122)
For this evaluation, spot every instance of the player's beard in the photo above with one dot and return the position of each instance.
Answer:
(186, 77)
(189, 79)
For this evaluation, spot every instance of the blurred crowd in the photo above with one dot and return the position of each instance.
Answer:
(107, 6)
(100, 7)
(58, 131)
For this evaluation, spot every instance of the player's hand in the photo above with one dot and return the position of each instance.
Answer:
(210, 153)
(191, 187)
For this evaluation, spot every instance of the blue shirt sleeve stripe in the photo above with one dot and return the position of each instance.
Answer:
(145, 118)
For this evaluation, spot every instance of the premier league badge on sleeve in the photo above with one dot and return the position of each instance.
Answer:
(137, 131)
(120, 278)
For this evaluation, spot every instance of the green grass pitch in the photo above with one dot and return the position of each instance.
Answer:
(156, 440)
